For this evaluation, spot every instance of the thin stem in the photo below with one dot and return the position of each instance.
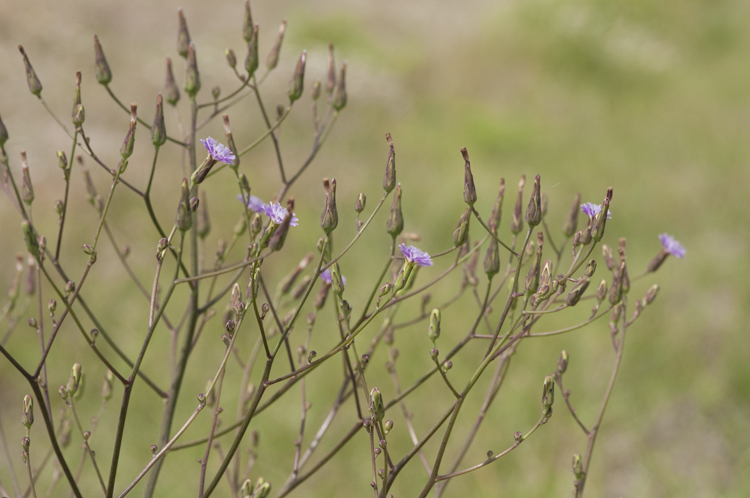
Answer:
(126, 109)
(65, 198)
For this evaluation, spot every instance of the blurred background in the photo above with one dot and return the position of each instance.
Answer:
(652, 98)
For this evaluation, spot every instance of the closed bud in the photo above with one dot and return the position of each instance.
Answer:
(183, 37)
(600, 220)
(497, 209)
(78, 114)
(247, 488)
(388, 426)
(548, 393)
(470, 191)
(562, 363)
(27, 189)
(109, 380)
(194, 204)
(192, 76)
(32, 322)
(590, 268)
(273, 56)
(75, 379)
(216, 92)
(171, 91)
(492, 259)
(315, 90)
(337, 280)
(237, 304)
(252, 61)
(184, 218)
(159, 130)
(571, 221)
(359, 206)
(532, 277)
(255, 225)
(461, 233)
(52, 306)
(320, 298)
(516, 222)
(62, 161)
(578, 466)
(601, 291)
(339, 95)
(204, 222)
(534, 209)
(329, 218)
(247, 29)
(126, 150)
(3, 133)
(575, 294)
(263, 490)
(161, 246)
(28, 412)
(376, 402)
(434, 330)
(297, 85)
(35, 86)
(279, 236)
(231, 58)
(32, 244)
(103, 73)
(651, 294)
(395, 223)
(609, 258)
(331, 80)
(615, 292)
(389, 180)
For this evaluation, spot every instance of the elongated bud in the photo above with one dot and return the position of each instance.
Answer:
(534, 209)
(590, 268)
(109, 380)
(497, 209)
(247, 30)
(434, 330)
(183, 37)
(273, 56)
(359, 206)
(28, 412)
(337, 280)
(216, 92)
(339, 95)
(279, 236)
(532, 277)
(78, 114)
(103, 73)
(516, 222)
(601, 291)
(492, 259)
(252, 61)
(651, 294)
(247, 487)
(286, 284)
(329, 218)
(609, 258)
(3, 133)
(575, 294)
(192, 76)
(75, 379)
(184, 218)
(62, 161)
(562, 363)
(597, 231)
(615, 292)
(376, 402)
(233, 148)
(237, 304)
(315, 90)
(461, 233)
(32, 244)
(27, 189)
(231, 58)
(548, 393)
(395, 223)
(571, 221)
(171, 92)
(35, 86)
(126, 150)
(389, 180)
(159, 130)
(470, 191)
(331, 80)
(263, 490)
(577, 466)
(297, 85)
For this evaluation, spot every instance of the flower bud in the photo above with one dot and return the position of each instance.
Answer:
(376, 403)
(470, 191)
(578, 466)
(571, 221)
(516, 222)
(395, 223)
(532, 277)
(339, 95)
(109, 380)
(615, 292)
(203, 220)
(297, 85)
(315, 90)
(247, 30)
(494, 221)
(171, 92)
(461, 233)
(434, 330)
(103, 74)
(183, 37)
(492, 259)
(389, 180)
(575, 294)
(263, 490)
(27, 189)
(590, 268)
(651, 294)
(273, 56)
(62, 161)
(331, 80)
(247, 488)
(534, 209)
(126, 150)
(35, 86)
(609, 258)
(32, 244)
(78, 114)
(597, 231)
(192, 76)
(329, 218)
(237, 304)
(3, 133)
(562, 363)
(231, 58)
(28, 412)
(359, 206)
(158, 130)
(75, 379)
(337, 280)
(253, 59)
(601, 291)
(184, 218)
(279, 236)
(548, 393)
(320, 298)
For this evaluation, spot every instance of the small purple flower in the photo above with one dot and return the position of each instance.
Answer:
(326, 277)
(671, 246)
(414, 255)
(277, 213)
(255, 204)
(218, 151)
(591, 210)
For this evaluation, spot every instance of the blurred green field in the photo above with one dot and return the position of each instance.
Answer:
(652, 98)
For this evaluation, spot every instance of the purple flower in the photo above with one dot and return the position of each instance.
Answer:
(218, 151)
(591, 210)
(671, 246)
(414, 255)
(326, 277)
(277, 213)
(254, 204)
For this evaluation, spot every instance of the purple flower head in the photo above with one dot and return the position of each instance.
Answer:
(414, 255)
(218, 151)
(591, 210)
(277, 213)
(671, 246)
(254, 204)
(326, 277)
